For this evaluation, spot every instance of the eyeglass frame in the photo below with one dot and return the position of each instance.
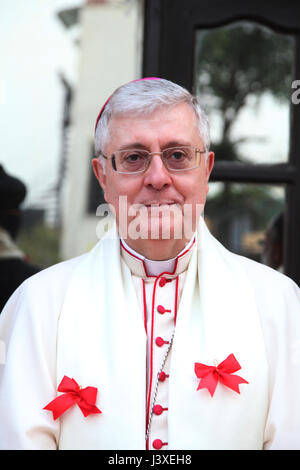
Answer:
(197, 151)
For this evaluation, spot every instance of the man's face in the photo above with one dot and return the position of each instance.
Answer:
(166, 127)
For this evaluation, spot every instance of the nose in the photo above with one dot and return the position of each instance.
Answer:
(157, 176)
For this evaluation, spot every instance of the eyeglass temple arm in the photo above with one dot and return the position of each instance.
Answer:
(112, 158)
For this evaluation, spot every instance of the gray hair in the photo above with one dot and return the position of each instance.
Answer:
(143, 97)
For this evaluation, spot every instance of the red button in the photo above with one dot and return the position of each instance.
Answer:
(163, 281)
(157, 444)
(158, 409)
(160, 342)
(161, 309)
(162, 376)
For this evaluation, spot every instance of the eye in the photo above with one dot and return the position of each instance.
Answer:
(131, 160)
(133, 157)
(177, 158)
(177, 155)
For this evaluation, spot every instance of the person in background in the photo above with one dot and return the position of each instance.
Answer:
(14, 268)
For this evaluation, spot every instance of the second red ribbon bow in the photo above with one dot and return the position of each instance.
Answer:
(85, 398)
(210, 375)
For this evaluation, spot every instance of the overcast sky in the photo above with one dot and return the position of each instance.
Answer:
(34, 48)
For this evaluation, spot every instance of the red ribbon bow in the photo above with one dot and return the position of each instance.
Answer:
(210, 375)
(85, 398)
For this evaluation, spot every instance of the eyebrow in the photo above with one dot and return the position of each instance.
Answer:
(177, 143)
(133, 145)
(169, 144)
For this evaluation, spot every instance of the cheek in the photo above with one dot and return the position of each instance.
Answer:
(119, 190)
(193, 191)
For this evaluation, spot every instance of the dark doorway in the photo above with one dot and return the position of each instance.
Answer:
(242, 59)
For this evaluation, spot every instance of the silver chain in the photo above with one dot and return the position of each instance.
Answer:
(156, 385)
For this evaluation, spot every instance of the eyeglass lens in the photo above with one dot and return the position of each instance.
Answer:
(133, 161)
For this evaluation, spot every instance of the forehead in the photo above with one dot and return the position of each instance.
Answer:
(169, 123)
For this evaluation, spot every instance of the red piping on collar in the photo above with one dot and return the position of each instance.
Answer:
(165, 272)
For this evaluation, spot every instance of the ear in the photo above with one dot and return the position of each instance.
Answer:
(209, 164)
(99, 173)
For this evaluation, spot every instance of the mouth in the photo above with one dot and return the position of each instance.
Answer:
(160, 204)
(163, 209)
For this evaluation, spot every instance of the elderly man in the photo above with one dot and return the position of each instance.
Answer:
(137, 344)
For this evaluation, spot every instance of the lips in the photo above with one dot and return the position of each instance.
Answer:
(163, 209)
(159, 204)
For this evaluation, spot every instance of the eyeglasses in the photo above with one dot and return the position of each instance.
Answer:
(134, 161)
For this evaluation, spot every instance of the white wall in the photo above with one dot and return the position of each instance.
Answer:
(34, 48)
(110, 57)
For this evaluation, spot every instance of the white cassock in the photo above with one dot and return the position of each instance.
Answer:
(104, 321)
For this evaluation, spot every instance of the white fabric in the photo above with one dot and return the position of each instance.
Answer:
(82, 318)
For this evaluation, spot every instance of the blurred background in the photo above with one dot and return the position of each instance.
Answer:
(61, 59)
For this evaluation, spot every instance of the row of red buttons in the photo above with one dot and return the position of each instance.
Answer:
(158, 409)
